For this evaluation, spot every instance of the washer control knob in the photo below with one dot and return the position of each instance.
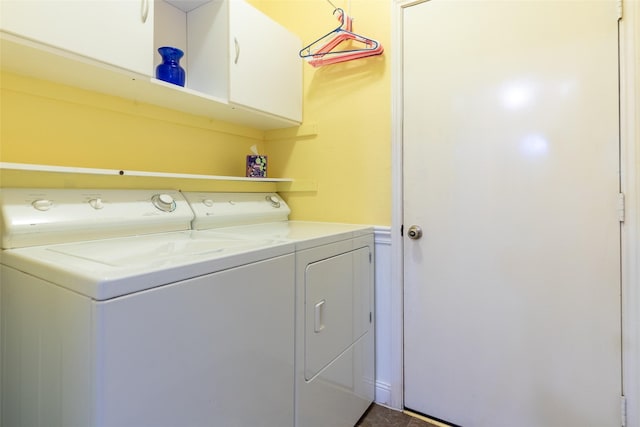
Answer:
(164, 202)
(207, 202)
(96, 203)
(274, 200)
(42, 204)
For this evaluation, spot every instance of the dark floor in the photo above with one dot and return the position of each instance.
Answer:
(379, 416)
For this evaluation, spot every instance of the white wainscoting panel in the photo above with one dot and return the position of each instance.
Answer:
(383, 314)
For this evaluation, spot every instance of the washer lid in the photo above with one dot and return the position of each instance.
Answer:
(108, 268)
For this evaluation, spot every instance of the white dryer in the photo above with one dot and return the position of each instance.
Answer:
(334, 327)
(115, 314)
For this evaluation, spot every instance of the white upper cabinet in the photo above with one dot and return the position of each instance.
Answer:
(236, 52)
(266, 70)
(240, 65)
(118, 32)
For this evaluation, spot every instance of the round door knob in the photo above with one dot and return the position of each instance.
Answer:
(414, 232)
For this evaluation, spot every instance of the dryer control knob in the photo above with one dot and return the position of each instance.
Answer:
(164, 202)
(273, 200)
(207, 202)
(42, 204)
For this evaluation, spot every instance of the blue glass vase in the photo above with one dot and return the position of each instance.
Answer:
(170, 69)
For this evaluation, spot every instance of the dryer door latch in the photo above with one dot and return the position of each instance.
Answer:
(318, 317)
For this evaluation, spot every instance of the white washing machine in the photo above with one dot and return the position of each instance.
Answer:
(334, 328)
(115, 314)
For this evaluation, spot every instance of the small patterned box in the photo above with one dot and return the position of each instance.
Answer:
(256, 166)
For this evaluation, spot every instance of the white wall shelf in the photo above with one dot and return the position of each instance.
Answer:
(128, 173)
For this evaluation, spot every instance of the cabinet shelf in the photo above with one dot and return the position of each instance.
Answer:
(34, 59)
(187, 5)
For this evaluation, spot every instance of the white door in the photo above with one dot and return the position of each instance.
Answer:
(512, 295)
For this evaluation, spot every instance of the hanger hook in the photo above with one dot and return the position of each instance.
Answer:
(334, 6)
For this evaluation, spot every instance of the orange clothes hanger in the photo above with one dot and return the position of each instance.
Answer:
(326, 54)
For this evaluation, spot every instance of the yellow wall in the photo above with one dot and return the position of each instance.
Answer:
(46, 123)
(349, 103)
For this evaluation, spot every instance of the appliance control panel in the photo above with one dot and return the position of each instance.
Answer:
(44, 216)
(213, 210)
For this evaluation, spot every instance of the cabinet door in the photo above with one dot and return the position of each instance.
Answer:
(118, 32)
(265, 69)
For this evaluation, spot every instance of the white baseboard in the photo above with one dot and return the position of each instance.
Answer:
(383, 393)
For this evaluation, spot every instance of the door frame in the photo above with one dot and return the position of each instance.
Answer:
(629, 34)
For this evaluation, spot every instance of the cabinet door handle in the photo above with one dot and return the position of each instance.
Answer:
(144, 10)
(237, 45)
